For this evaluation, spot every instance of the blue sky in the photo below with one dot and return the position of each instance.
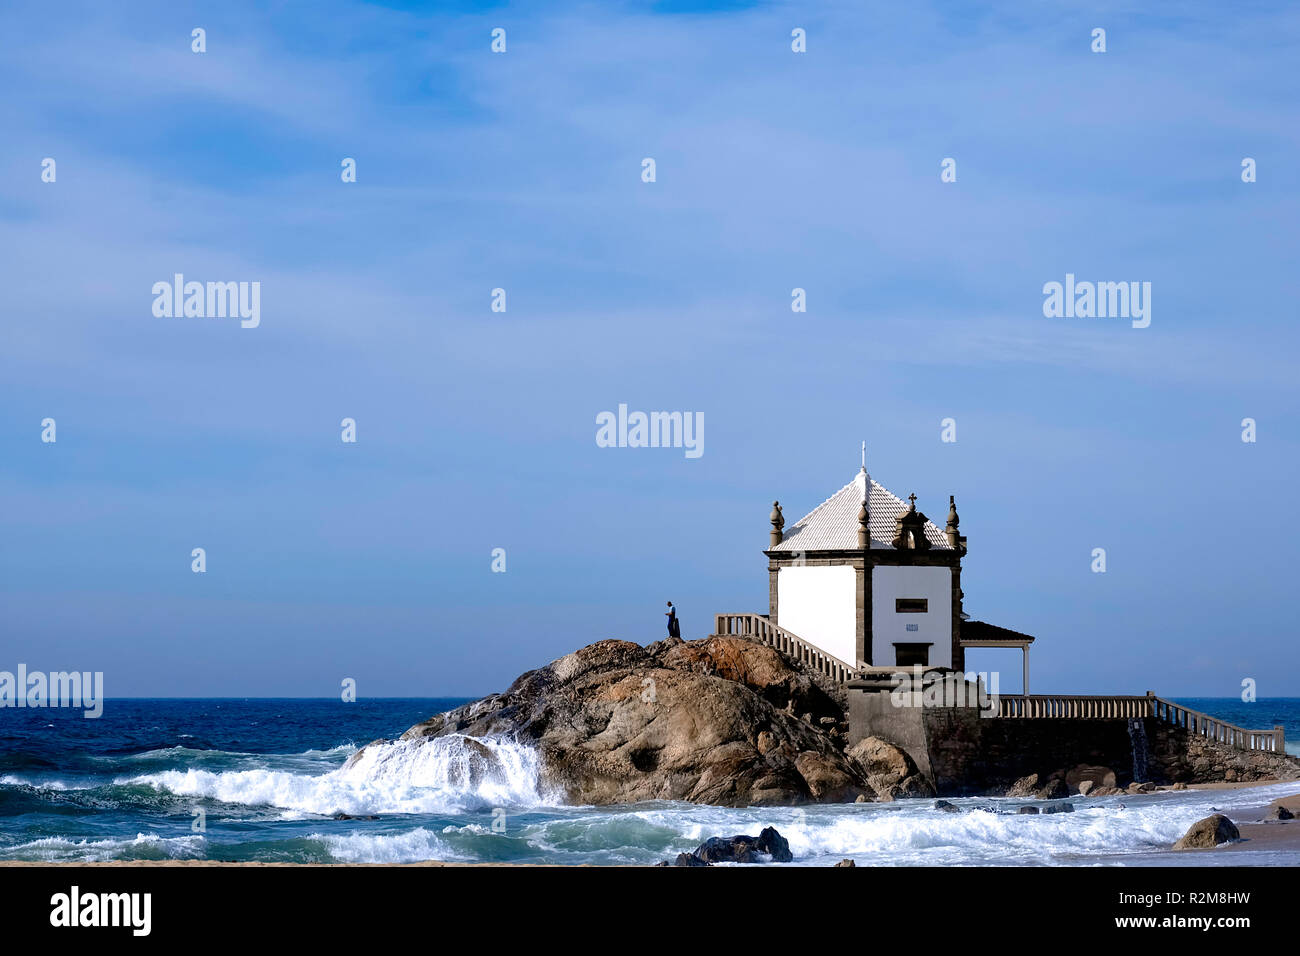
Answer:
(476, 429)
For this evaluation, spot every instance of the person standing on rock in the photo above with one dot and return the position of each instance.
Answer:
(674, 626)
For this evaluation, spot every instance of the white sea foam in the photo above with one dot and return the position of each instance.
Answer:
(10, 780)
(143, 846)
(411, 846)
(442, 774)
(902, 833)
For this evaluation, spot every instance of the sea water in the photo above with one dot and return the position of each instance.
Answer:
(266, 780)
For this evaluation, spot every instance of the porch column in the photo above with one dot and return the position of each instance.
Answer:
(1024, 654)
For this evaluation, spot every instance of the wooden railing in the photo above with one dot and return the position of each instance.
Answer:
(1166, 711)
(758, 628)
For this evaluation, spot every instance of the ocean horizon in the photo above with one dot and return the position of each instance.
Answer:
(264, 779)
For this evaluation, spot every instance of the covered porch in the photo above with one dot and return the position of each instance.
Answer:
(980, 634)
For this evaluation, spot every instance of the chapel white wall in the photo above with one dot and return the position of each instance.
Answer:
(819, 604)
(888, 626)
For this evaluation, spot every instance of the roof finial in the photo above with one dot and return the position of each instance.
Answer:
(955, 538)
(778, 524)
(864, 456)
(912, 498)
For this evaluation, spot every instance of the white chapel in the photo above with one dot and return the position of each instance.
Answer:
(869, 580)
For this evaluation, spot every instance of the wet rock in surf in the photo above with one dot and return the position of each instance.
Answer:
(1209, 832)
(715, 721)
(769, 844)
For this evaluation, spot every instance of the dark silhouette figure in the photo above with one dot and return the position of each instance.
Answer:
(674, 626)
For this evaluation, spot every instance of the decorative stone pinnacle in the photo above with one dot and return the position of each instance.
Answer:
(778, 524)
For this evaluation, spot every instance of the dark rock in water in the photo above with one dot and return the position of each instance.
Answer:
(1279, 813)
(775, 845)
(739, 849)
(1209, 832)
(710, 721)
(1028, 810)
(946, 807)
(348, 816)
(846, 863)
(1059, 808)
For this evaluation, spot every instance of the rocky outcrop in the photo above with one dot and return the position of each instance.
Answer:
(722, 721)
(768, 845)
(1207, 833)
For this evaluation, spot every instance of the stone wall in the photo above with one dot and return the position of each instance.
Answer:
(1190, 758)
(964, 754)
(969, 754)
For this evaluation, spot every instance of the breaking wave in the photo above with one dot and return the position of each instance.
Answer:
(434, 775)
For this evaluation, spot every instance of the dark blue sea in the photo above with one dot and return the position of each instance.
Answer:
(265, 780)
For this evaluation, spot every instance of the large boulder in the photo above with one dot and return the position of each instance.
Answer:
(889, 771)
(710, 721)
(1099, 778)
(1024, 787)
(1209, 832)
(1033, 785)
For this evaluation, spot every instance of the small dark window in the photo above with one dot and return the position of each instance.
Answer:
(912, 605)
(907, 655)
